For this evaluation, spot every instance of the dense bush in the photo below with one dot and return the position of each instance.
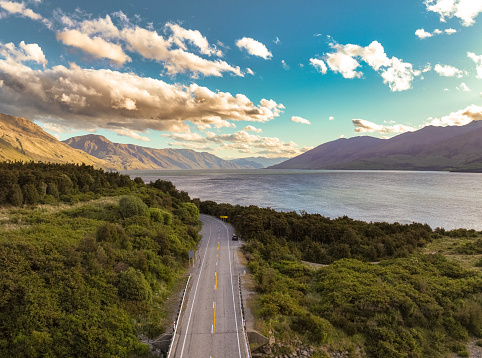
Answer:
(88, 280)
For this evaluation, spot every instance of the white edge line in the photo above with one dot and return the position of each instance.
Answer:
(195, 293)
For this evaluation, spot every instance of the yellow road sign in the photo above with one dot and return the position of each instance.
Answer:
(223, 217)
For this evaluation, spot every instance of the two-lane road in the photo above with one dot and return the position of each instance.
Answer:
(211, 325)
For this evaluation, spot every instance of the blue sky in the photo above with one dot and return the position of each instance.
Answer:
(237, 79)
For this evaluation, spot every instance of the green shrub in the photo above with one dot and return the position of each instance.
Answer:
(133, 286)
(132, 205)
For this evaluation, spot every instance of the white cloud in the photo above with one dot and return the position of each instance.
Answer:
(331, 118)
(422, 34)
(285, 65)
(396, 73)
(252, 129)
(363, 126)
(97, 47)
(129, 133)
(277, 41)
(109, 99)
(299, 120)
(319, 65)
(465, 10)
(448, 71)
(250, 71)
(463, 87)
(101, 38)
(180, 35)
(25, 52)
(18, 8)
(458, 118)
(478, 62)
(254, 47)
(241, 141)
(450, 31)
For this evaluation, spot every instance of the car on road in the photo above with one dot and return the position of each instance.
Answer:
(235, 237)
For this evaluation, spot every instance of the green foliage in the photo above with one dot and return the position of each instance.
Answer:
(83, 281)
(133, 286)
(132, 205)
(404, 306)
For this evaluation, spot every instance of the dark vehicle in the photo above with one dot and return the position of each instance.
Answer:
(235, 237)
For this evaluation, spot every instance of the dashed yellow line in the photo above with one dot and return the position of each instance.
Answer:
(214, 321)
(216, 286)
(217, 260)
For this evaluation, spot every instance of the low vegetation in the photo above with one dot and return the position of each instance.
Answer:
(379, 295)
(87, 278)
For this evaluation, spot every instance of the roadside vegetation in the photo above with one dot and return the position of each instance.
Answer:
(382, 292)
(87, 259)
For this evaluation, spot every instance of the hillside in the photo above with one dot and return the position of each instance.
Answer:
(430, 148)
(23, 140)
(130, 156)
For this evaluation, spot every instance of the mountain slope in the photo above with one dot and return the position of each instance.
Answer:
(130, 156)
(23, 140)
(430, 148)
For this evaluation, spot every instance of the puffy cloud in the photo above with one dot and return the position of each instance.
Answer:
(396, 73)
(103, 39)
(180, 35)
(96, 46)
(331, 118)
(448, 71)
(252, 129)
(254, 47)
(25, 52)
(463, 87)
(478, 62)
(422, 34)
(299, 120)
(319, 65)
(363, 126)
(458, 118)
(241, 141)
(132, 134)
(111, 99)
(18, 8)
(465, 10)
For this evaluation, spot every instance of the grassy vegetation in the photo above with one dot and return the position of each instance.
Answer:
(87, 279)
(413, 303)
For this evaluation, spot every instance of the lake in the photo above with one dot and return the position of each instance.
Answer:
(440, 199)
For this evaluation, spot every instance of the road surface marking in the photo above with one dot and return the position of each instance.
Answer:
(217, 260)
(195, 293)
(214, 322)
(218, 245)
(216, 287)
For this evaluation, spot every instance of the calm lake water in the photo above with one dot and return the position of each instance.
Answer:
(440, 199)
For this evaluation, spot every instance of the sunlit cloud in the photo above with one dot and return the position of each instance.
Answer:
(458, 118)
(319, 65)
(101, 38)
(331, 118)
(448, 71)
(363, 126)
(79, 97)
(465, 10)
(396, 73)
(299, 120)
(463, 87)
(478, 62)
(422, 34)
(254, 47)
(129, 133)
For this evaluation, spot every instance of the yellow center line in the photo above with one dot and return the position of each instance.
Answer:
(217, 260)
(218, 245)
(216, 287)
(214, 322)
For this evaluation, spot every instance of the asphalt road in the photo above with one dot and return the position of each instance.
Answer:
(210, 324)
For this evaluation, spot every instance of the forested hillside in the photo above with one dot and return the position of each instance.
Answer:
(86, 279)
(406, 305)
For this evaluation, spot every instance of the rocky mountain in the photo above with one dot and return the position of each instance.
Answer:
(130, 156)
(257, 162)
(430, 148)
(23, 140)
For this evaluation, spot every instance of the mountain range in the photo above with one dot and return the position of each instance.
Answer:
(456, 148)
(23, 140)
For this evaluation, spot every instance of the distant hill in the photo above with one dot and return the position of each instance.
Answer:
(130, 156)
(23, 140)
(430, 148)
(258, 162)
